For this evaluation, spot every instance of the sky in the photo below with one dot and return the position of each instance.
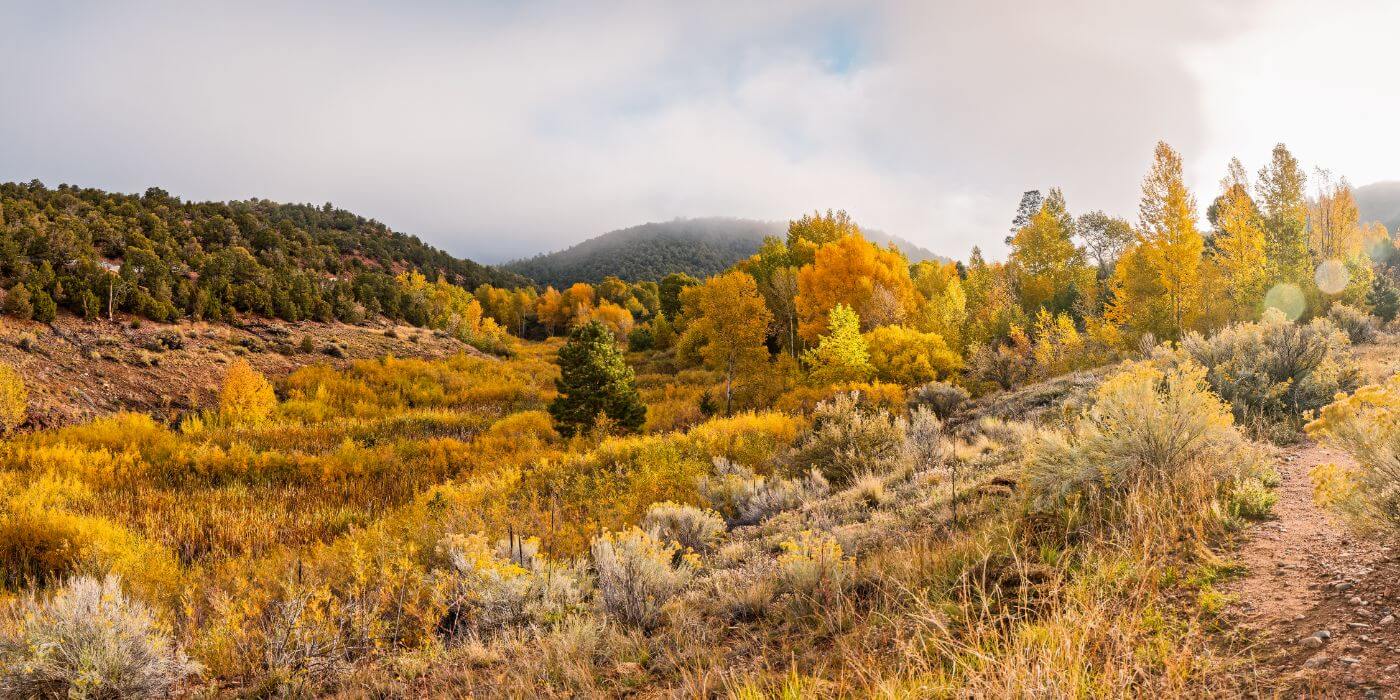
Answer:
(498, 129)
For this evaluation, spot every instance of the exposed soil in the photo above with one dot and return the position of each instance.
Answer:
(76, 370)
(1310, 576)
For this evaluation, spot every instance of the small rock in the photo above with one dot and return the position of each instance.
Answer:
(1299, 616)
(1316, 661)
(1387, 619)
(1344, 585)
(1350, 660)
(1358, 625)
(1311, 643)
(1323, 634)
(1356, 600)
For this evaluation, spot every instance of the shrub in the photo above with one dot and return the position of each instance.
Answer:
(744, 498)
(637, 574)
(685, 525)
(812, 566)
(1359, 326)
(1149, 431)
(847, 439)
(1366, 425)
(246, 396)
(88, 640)
(490, 591)
(1275, 369)
(942, 398)
(14, 398)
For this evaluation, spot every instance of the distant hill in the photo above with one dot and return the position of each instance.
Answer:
(699, 247)
(1380, 201)
(155, 256)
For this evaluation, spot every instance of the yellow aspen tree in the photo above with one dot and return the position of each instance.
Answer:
(730, 321)
(1239, 252)
(1049, 270)
(1158, 284)
(1282, 199)
(247, 396)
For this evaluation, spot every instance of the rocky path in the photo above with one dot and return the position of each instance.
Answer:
(1319, 603)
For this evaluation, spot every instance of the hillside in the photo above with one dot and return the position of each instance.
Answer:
(1380, 201)
(699, 247)
(78, 370)
(155, 256)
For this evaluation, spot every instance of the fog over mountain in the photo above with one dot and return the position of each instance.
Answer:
(699, 247)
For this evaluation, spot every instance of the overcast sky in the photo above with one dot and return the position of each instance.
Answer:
(499, 129)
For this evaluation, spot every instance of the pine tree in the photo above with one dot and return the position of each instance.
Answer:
(595, 380)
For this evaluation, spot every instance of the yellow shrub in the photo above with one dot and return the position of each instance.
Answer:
(14, 398)
(751, 439)
(246, 397)
(1367, 425)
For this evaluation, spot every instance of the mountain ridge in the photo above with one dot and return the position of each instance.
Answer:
(700, 247)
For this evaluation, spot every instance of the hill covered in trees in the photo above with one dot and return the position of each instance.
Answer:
(699, 247)
(1380, 201)
(153, 255)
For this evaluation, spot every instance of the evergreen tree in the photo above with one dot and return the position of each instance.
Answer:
(595, 380)
(18, 302)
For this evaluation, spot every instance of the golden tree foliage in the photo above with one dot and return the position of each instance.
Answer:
(729, 320)
(1239, 251)
(841, 355)
(872, 281)
(1157, 285)
(809, 233)
(14, 398)
(1046, 264)
(1334, 224)
(906, 356)
(943, 305)
(616, 318)
(246, 397)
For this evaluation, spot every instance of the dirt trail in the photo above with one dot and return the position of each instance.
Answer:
(1310, 576)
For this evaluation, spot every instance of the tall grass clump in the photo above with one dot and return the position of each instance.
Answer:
(89, 640)
(1367, 425)
(1275, 370)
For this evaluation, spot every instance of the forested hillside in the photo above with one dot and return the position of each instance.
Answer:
(1380, 201)
(697, 247)
(155, 256)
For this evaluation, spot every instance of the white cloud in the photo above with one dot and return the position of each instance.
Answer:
(493, 130)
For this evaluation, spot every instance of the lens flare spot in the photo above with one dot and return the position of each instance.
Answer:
(1332, 276)
(1287, 298)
